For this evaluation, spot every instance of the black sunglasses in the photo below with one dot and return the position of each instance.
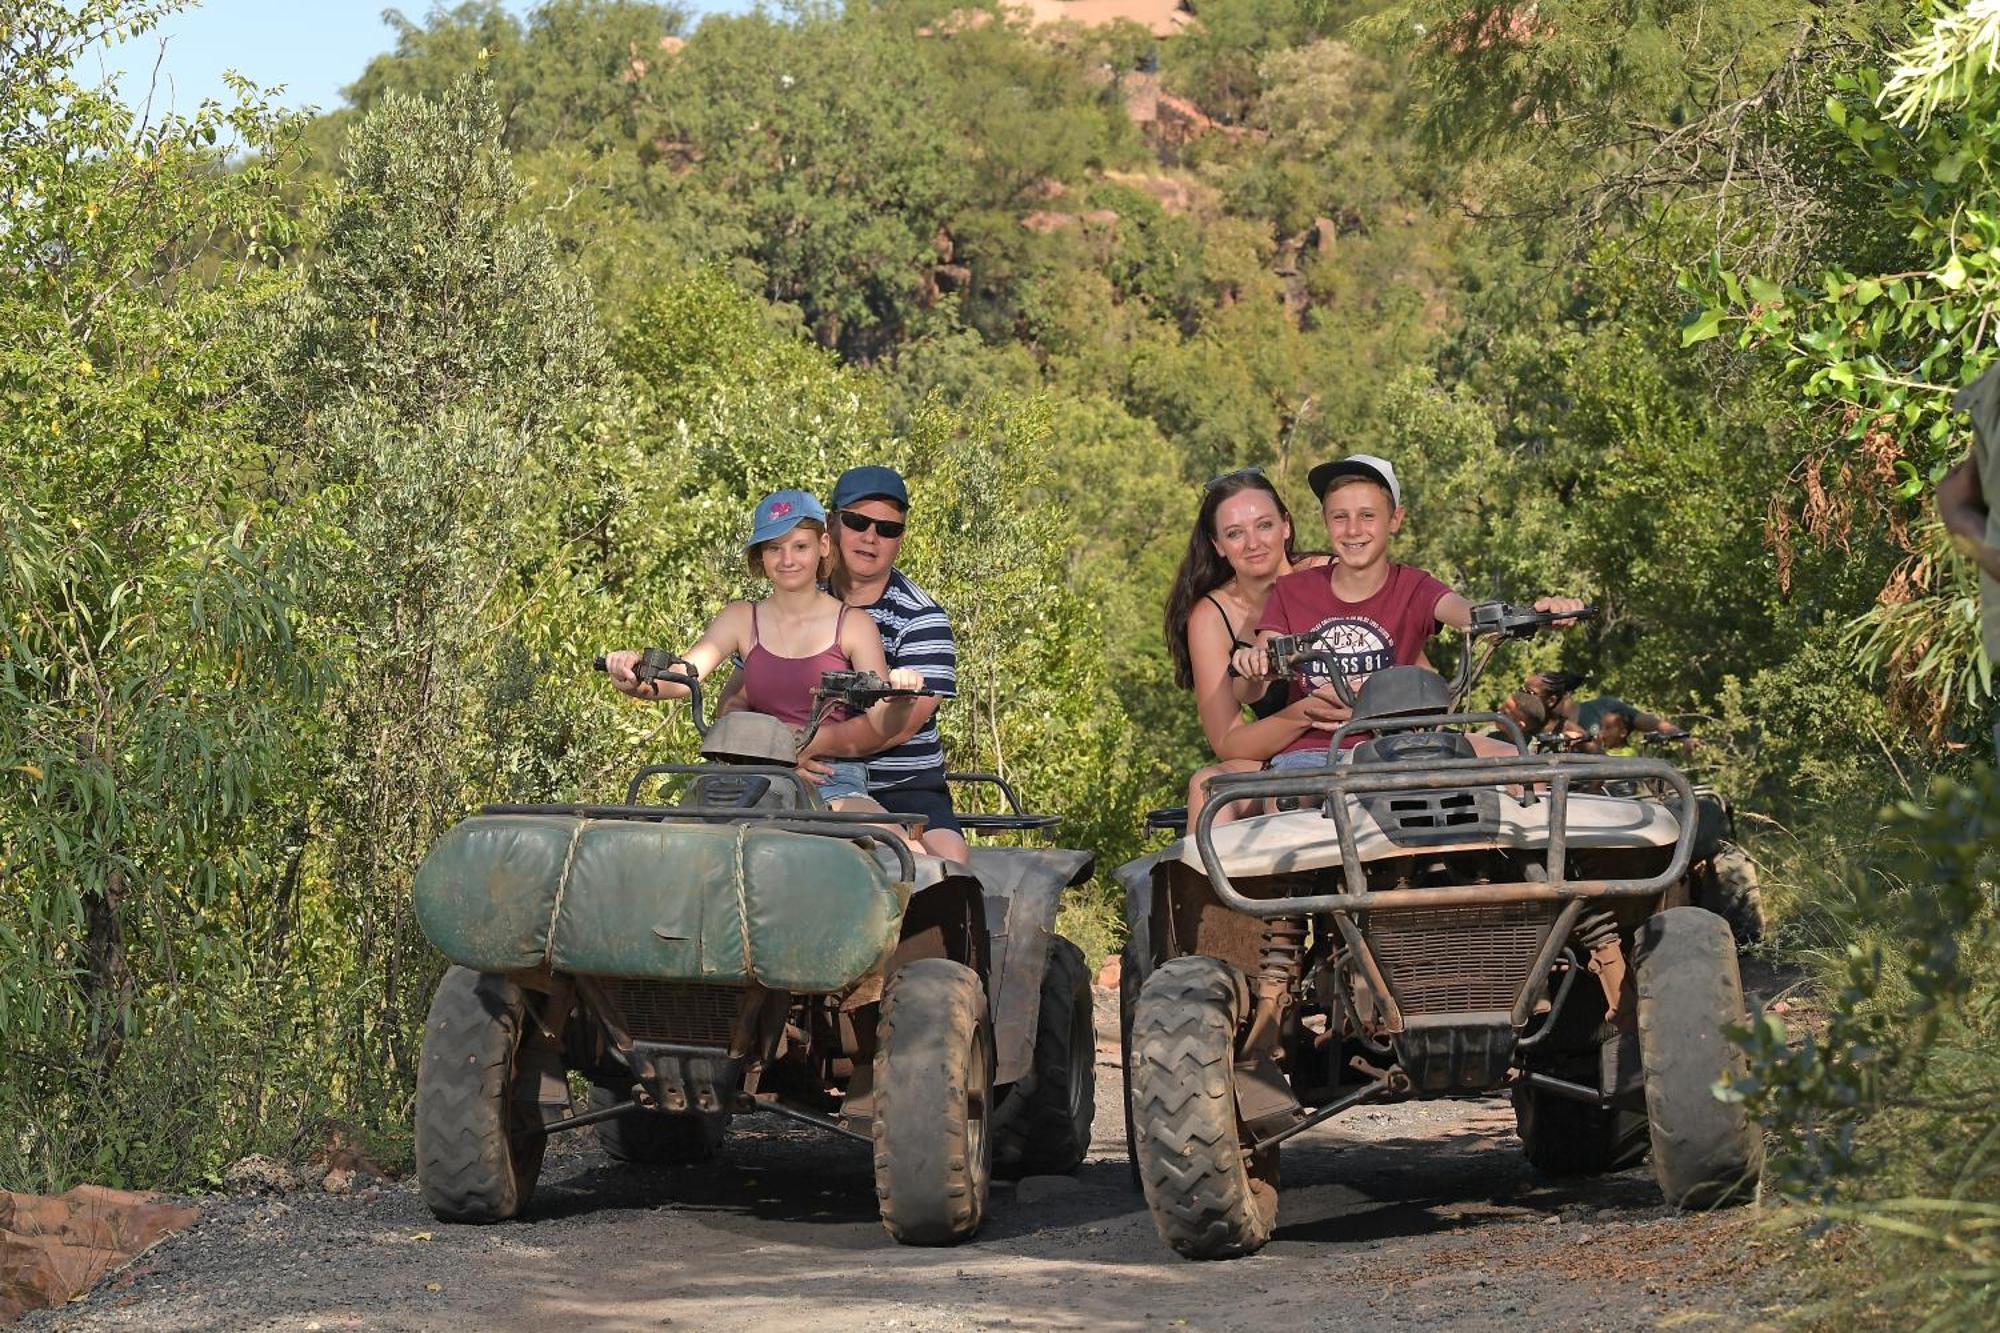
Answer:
(1241, 473)
(888, 527)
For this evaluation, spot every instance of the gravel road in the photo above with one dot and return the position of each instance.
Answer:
(1422, 1215)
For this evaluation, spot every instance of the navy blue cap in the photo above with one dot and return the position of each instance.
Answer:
(870, 483)
(781, 511)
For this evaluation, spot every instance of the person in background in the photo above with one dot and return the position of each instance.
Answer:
(1592, 714)
(1968, 503)
(1615, 735)
(1525, 709)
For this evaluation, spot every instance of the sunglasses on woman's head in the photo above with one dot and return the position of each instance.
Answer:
(1242, 473)
(888, 527)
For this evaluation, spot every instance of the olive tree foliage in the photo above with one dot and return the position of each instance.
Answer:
(432, 384)
(152, 682)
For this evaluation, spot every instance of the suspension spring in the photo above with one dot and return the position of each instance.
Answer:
(1597, 930)
(1283, 951)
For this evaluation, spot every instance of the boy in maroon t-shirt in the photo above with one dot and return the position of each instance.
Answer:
(1365, 607)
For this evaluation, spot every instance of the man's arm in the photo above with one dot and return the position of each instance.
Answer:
(1961, 503)
(859, 737)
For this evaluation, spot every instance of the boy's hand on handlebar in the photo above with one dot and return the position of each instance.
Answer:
(903, 678)
(1560, 606)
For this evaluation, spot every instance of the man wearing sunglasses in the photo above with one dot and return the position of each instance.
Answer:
(905, 767)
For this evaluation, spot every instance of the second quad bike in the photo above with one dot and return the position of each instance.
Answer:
(1431, 916)
(746, 949)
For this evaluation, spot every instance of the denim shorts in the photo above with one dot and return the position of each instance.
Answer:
(850, 778)
(1304, 759)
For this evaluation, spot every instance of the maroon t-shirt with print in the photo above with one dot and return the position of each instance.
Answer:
(1387, 629)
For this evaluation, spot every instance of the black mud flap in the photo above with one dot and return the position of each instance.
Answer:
(1023, 888)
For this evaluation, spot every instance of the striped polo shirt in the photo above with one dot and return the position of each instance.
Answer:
(916, 634)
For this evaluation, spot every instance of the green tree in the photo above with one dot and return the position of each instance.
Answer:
(151, 686)
(425, 403)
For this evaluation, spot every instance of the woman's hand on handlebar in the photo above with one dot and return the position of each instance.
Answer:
(903, 678)
(1252, 663)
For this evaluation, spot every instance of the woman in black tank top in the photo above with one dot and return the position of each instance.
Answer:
(1273, 699)
(1241, 544)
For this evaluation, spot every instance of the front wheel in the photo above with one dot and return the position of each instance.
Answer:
(1210, 1199)
(479, 1100)
(933, 1091)
(1706, 1151)
(1044, 1127)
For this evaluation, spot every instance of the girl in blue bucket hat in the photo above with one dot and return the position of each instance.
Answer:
(788, 638)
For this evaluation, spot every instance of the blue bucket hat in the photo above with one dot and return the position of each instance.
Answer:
(781, 511)
(870, 483)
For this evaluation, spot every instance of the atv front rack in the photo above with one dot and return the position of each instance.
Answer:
(1335, 788)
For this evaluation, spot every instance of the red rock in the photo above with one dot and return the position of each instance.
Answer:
(1108, 975)
(1042, 222)
(56, 1247)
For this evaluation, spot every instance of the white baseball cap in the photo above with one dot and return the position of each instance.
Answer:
(1378, 470)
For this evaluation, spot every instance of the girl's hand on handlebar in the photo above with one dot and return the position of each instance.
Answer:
(619, 666)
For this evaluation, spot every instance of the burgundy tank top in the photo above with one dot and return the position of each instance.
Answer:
(783, 686)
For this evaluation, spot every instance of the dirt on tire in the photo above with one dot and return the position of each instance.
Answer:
(933, 1093)
(473, 1163)
(1706, 1151)
(1207, 1200)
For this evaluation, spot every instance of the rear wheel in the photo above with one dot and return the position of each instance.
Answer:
(933, 1090)
(655, 1138)
(1706, 1151)
(1732, 893)
(479, 1094)
(1208, 1197)
(1566, 1137)
(1571, 1138)
(1044, 1127)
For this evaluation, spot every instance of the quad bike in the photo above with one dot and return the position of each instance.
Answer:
(746, 949)
(1420, 920)
(1721, 876)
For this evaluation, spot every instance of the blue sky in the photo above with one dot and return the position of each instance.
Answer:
(313, 47)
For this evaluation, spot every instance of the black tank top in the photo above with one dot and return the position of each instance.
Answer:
(1274, 699)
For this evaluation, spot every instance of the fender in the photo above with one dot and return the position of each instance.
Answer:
(1023, 889)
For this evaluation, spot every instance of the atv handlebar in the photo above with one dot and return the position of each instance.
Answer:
(1497, 621)
(858, 690)
(656, 665)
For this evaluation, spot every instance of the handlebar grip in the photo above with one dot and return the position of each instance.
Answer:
(597, 662)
